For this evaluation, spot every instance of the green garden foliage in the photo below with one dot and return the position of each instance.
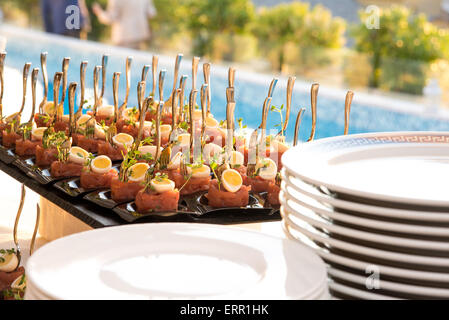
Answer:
(296, 23)
(401, 49)
(208, 18)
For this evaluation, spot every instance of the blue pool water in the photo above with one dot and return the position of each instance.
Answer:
(249, 94)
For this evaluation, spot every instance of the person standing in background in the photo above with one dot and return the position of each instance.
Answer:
(129, 21)
(56, 14)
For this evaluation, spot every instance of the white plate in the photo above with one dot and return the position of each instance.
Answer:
(313, 193)
(314, 235)
(364, 266)
(305, 202)
(356, 293)
(316, 221)
(359, 294)
(175, 261)
(401, 167)
(391, 286)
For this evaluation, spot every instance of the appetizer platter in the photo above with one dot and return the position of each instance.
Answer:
(166, 159)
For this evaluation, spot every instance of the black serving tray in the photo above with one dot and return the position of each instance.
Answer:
(103, 198)
(72, 187)
(129, 212)
(7, 155)
(67, 196)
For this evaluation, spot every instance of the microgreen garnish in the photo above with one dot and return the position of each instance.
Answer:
(279, 110)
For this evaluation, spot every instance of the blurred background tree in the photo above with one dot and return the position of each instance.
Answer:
(401, 49)
(24, 12)
(287, 26)
(208, 18)
(99, 31)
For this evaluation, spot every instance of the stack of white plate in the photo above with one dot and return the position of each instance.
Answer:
(375, 207)
(175, 261)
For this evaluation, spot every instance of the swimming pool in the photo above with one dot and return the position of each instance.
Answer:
(251, 89)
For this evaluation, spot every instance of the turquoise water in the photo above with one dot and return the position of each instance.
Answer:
(249, 95)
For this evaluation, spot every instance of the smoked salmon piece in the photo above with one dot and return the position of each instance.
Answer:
(45, 157)
(151, 201)
(92, 180)
(60, 169)
(258, 184)
(9, 139)
(125, 191)
(220, 198)
(113, 152)
(27, 147)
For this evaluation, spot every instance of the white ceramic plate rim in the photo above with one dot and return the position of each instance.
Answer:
(276, 269)
(356, 293)
(339, 287)
(364, 222)
(307, 154)
(375, 253)
(362, 235)
(392, 286)
(364, 208)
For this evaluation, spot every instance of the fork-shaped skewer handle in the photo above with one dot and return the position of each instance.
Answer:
(72, 91)
(176, 72)
(115, 86)
(182, 86)
(2, 85)
(161, 84)
(159, 108)
(154, 66)
(174, 111)
(195, 63)
(348, 102)
(143, 106)
(36, 228)
(206, 72)
(104, 65)
(65, 70)
(298, 125)
(231, 77)
(45, 79)
(192, 103)
(16, 222)
(263, 127)
(273, 84)
(313, 104)
(203, 97)
(290, 86)
(56, 87)
(146, 68)
(34, 75)
(129, 61)
(230, 109)
(97, 70)
(141, 96)
(26, 72)
(252, 152)
(83, 69)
